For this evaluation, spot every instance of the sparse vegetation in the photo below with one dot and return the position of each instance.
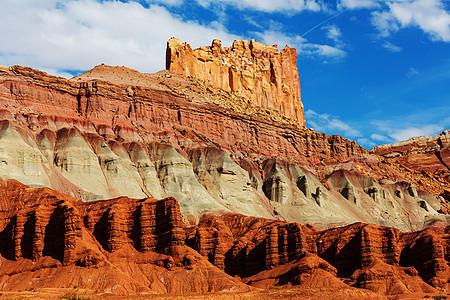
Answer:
(439, 297)
(76, 294)
(276, 286)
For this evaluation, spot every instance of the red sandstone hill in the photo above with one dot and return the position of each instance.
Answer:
(95, 139)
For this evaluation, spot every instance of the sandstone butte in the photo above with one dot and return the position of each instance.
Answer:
(251, 203)
(260, 73)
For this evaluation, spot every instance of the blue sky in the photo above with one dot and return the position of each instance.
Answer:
(372, 71)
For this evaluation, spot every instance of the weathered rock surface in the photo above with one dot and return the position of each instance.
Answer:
(48, 239)
(272, 253)
(427, 155)
(431, 154)
(95, 139)
(259, 73)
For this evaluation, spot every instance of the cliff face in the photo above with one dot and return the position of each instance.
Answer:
(158, 135)
(269, 253)
(259, 73)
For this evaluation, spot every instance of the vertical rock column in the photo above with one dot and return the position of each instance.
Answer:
(147, 226)
(272, 256)
(18, 226)
(72, 230)
(116, 222)
(41, 216)
(169, 227)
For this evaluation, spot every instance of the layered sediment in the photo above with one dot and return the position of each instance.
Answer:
(95, 139)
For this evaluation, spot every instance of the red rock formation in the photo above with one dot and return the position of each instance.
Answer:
(46, 230)
(111, 124)
(43, 230)
(105, 107)
(268, 253)
(309, 271)
(431, 154)
(259, 73)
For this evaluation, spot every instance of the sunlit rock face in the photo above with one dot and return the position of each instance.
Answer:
(260, 73)
(20, 157)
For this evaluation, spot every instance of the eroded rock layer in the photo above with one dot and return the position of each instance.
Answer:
(271, 253)
(429, 155)
(50, 240)
(260, 73)
(95, 139)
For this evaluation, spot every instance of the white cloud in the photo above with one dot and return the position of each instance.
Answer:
(384, 22)
(391, 47)
(412, 72)
(331, 124)
(166, 2)
(357, 4)
(334, 33)
(366, 142)
(396, 130)
(379, 137)
(286, 6)
(406, 133)
(79, 34)
(304, 47)
(430, 16)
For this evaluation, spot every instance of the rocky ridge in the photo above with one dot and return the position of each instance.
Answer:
(429, 155)
(423, 153)
(51, 240)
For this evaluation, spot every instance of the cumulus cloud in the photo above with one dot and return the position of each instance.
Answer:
(334, 33)
(286, 6)
(391, 47)
(379, 137)
(330, 124)
(79, 34)
(430, 16)
(366, 142)
(396, 130)
(165, 2)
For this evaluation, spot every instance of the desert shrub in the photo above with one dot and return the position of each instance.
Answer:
(76, 295)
